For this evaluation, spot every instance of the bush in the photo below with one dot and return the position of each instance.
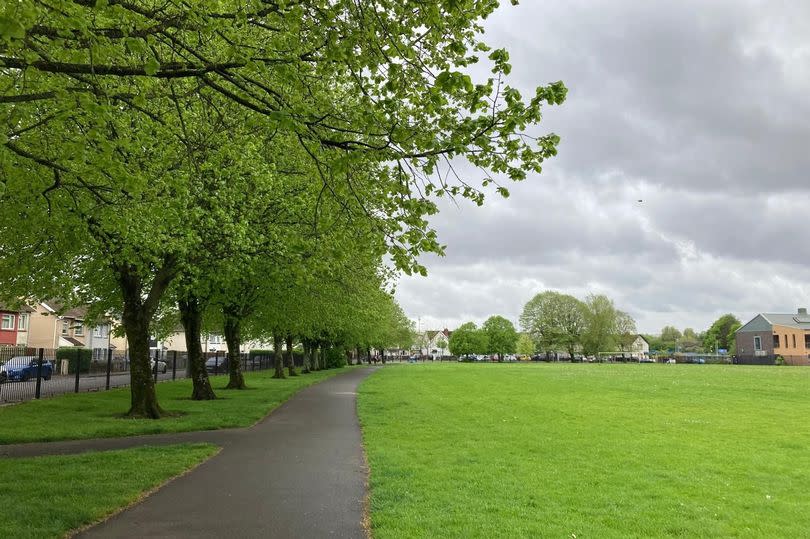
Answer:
(83, 356)
(334, 357)
(780, 360)
(265, 353)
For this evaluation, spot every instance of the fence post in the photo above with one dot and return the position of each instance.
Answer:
(157, 356)
(39, 373)
(109, 368)
(174, 365)
(78, 368)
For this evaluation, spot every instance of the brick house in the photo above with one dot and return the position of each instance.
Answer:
(769, 335)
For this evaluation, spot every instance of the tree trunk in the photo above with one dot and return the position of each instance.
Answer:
(290, 362)
(278, 356)
(233, 336)
(316, 357)
(191, 317)
(136, 318)
(307, 356)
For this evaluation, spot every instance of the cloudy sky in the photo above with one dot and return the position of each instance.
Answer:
(699, 109)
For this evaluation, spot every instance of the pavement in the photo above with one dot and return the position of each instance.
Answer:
(300, 472)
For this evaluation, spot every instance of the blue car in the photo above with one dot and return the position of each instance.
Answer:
(24, 368)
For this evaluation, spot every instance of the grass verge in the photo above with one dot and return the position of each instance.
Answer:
(98, 415)
(50, 496)
(607, 451)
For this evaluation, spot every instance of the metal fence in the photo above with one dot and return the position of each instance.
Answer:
(33, 373)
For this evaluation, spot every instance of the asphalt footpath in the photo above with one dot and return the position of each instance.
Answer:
(300, 472)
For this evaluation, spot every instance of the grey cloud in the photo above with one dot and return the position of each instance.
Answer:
(697, 108)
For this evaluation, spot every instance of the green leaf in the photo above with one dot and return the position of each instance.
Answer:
(152, 66)
(11, 28)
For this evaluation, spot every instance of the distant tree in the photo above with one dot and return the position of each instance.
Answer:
(600, 325)
(525, 345)
(625, 330)
(468, 339)
(656, 345)
(670, 337)
(689, 341)
(721, 334)
(555, 321)
(442, 344)
(501, 336)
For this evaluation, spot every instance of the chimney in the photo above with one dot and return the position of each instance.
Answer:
(802, 310)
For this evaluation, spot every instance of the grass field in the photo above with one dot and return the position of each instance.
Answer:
(49, 496)
(99, 415)
(602, 451)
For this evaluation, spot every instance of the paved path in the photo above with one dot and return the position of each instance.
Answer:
(298, 473)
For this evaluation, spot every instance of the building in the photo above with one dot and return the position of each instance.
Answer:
(769, 335)
(52, 326)
(640, 348)
(430, 343)
(14, 325)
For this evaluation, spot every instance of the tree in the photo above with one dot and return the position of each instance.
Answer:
(501, 336)
(525, 345)
(721, 334)
(115, 114)
(468, 339)
(442, 344)
(600, 325)
(555, 321)
(625, 330)
(670, 338)
(689, 341)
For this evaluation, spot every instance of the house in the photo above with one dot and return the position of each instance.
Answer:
(640, 348)
(210, 342)
(430, 342)
(14, 325)
(52, 326)
(769, 335)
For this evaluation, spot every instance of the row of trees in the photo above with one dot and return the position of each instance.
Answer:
(720, 336)
(556, 321)
(496, 336)
(244, 166)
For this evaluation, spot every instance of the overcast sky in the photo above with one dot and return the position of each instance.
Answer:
(699, 109)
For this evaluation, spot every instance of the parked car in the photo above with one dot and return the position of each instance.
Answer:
(217, 365)
(24, 368)
(161, 366)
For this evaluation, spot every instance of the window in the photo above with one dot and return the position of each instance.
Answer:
(8, 322)
(794, 340)
(65, 327)
(78, 330)
(22, 323)
(97, 331)
(758, 343)
(807, 340)
(776, 341)
(786, 341)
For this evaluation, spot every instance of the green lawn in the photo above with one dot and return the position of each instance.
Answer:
(49, 496)
(561, 450)
(99, 415)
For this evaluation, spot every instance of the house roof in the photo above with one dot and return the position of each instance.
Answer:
(56, 306)
(798, 321)
(766, 321)
(71, 340)
(22, 309)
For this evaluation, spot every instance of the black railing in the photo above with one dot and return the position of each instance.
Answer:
(28, 373)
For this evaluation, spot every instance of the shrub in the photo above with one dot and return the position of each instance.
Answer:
(335, 357)
(73, 355)
(780, 360)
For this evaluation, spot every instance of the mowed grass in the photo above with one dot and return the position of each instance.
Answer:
(49, 496)
(602, 451)
(99, 414)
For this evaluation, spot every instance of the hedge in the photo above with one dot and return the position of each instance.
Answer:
(83, 355)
